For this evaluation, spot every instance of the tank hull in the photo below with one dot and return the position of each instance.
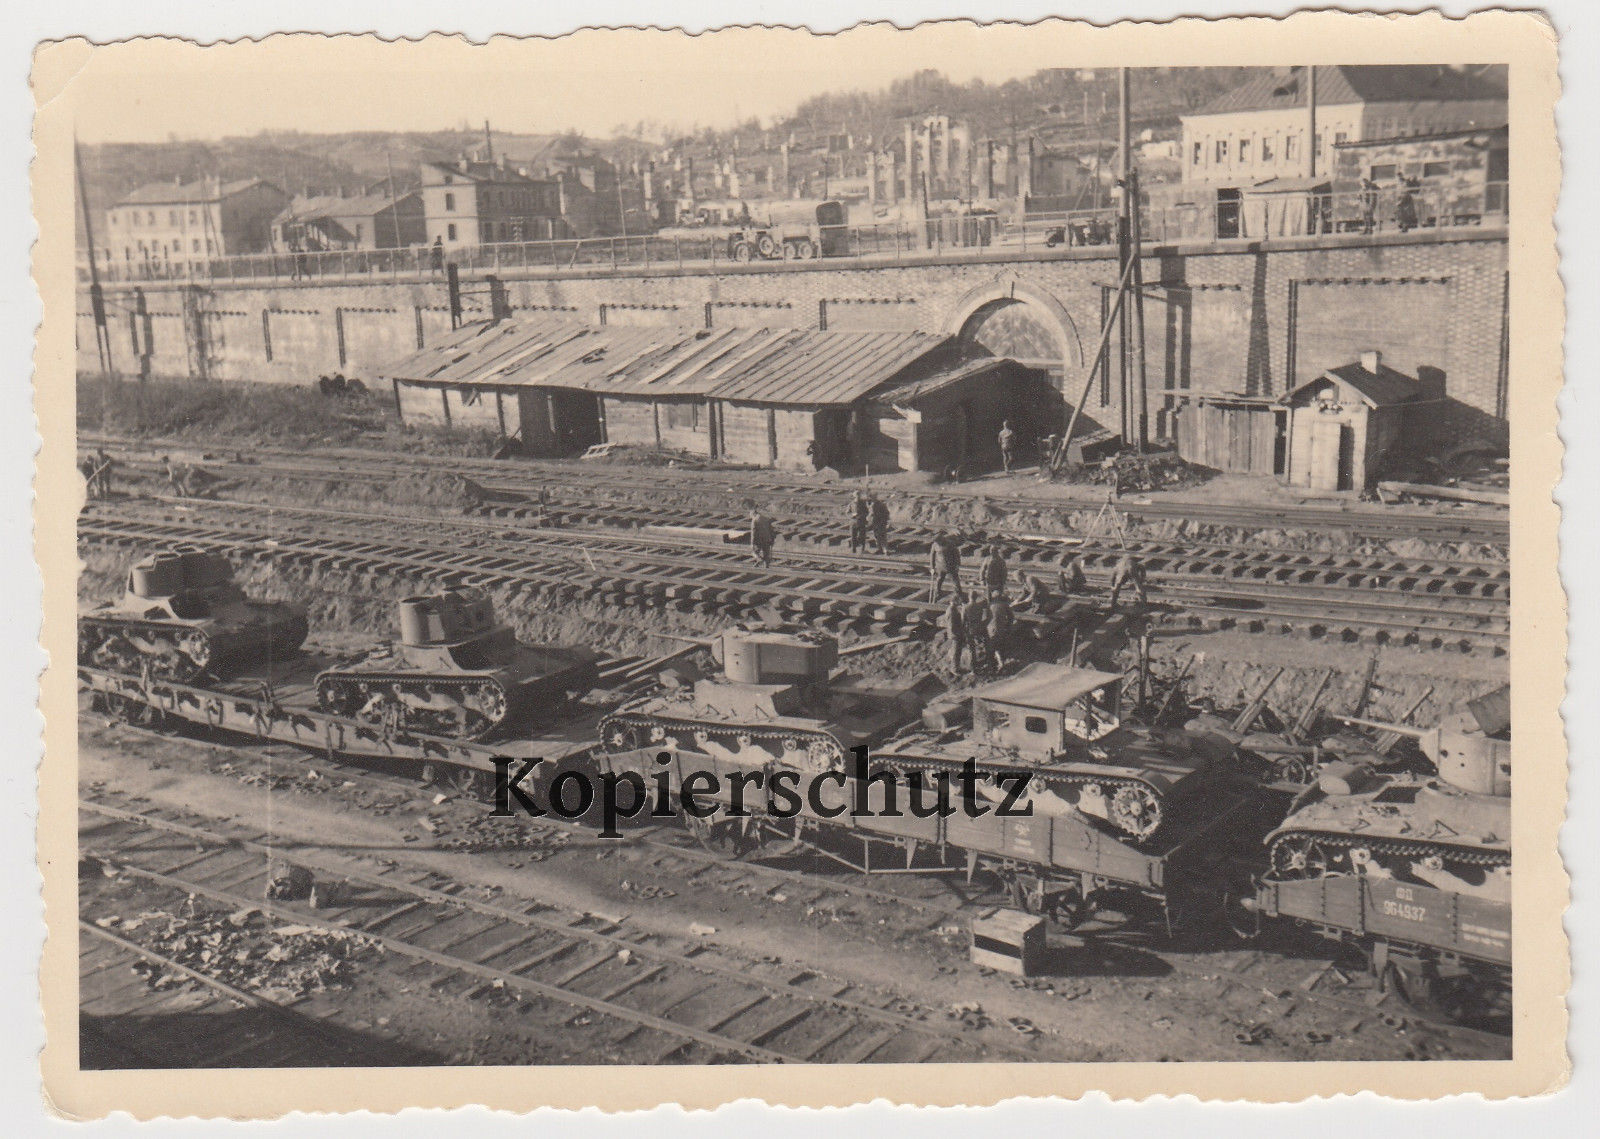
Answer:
(182, 650)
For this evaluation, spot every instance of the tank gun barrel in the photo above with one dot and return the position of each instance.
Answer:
(1414, 732)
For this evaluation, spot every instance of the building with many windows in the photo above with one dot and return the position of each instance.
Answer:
(1262, 129)
(179, 222)
(478, 203)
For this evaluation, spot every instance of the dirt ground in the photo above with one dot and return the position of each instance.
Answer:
(1107, 996)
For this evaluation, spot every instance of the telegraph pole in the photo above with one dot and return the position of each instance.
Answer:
(394, 202)
(1124, 253)
(1311, 106)
(97, 300)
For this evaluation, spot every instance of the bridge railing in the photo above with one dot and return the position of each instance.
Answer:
(1254, 217)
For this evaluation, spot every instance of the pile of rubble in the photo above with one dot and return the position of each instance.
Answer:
(245, 949)
(1130, 473)
(481, 833)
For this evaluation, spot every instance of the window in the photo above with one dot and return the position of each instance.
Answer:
(358, 231)
(172, 217)
(1222, 150)
(1382, 172)
(449, 179)
(1340, 138)
(177, 245)
(197, 245)
(1291, 147)
(210, 246)
(450, 201)
(682, 415)
(450, 232)
(1035, 724)
(1435, 169)
(1266, 150)
(1244, 150)
(193, 219)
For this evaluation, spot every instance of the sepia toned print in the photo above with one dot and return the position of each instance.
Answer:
(964, 562)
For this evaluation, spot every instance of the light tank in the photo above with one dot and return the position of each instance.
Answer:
(456, 671)
(776, 700)
(182, 615)
(1413, 868)
(1450, 830)
(1062, 726)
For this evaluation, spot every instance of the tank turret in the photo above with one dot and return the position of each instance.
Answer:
(181, 614)
(1063, 727)
(1450, 829)
(456, 670)
(776, 699)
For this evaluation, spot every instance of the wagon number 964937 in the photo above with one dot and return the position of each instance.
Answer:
(1403, 908)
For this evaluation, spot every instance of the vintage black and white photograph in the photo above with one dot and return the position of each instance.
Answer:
(953, 555)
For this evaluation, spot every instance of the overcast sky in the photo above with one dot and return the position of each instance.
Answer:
(591, 81)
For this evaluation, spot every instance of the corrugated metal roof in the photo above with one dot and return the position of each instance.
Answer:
(938, 381)
(1384, 388)
(754, 365)
(1045, 685)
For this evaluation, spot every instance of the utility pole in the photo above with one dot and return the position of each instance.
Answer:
(488, 144)
(394, 202)
(1311, 106)
(97, 300)
(1124, 254)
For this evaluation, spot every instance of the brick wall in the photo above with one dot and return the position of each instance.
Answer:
(1217, 319)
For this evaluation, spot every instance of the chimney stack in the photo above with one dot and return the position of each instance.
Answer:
(1371, 360)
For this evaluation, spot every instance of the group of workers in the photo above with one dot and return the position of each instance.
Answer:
(868, 514)
(97, 471)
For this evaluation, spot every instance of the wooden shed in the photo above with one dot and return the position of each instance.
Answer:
(950, 418)
(1238, 433)
(1345, 422)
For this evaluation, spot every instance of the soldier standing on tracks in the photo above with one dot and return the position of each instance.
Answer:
(859, 512)
(1070, 574)
(944, 560)
(103, 467)
(955, 629)
(1008, 440)
(975, 620)
(995, 571)
(91, 478)
(999, 629)
(763, 536)
(880, 524)
(1129, 572)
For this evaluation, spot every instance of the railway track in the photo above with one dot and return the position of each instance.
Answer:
(589, 487)
(1240, 968)
(1431, 603)
(676, 1001)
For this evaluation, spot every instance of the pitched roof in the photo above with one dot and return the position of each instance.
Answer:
(187, 193)
(1382, 388)
(483, 171)
(332, 206)
(755, 365)
(938, 381)
(1365, 83)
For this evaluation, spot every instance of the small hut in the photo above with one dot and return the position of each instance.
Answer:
(1345, 422)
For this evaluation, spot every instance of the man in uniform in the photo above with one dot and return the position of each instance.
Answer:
(1129, 571)
(1008, 439)
(763, 536)
(975, 620)
(944, 560)
(995, 571)
(955, 629)
(999, 628)
(859, 514)
(91, 477)
(1070, 574)
(880, 524)
(103, 467)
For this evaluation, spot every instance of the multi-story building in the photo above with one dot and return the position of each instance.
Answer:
(477, 203)
(362, 221)
(1262, 129)
(178, 222)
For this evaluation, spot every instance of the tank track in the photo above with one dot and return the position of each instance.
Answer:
(1134, 806)
(1413, 849)
(329, 700)
(187, 666)
(625, 731)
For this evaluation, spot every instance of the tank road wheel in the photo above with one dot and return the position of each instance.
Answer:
(791, 251)
(806, 248)
(741, 252)
(621, 737)
(1300, 857)
(197, 647)
(1136, 809)
(1291, 769)
(766, 246)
